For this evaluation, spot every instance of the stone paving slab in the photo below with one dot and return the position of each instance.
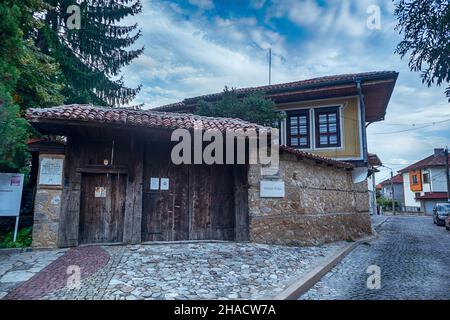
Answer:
(18, 267)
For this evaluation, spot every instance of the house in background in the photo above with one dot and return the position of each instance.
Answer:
(425, 182)
(397, 186)
(326, 116)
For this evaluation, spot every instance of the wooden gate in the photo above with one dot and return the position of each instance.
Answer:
(199, 204)
(102, 208)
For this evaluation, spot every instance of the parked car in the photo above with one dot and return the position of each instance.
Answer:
(447, 222)
(440, 213)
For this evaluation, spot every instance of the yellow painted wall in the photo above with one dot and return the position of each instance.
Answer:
(350, 126)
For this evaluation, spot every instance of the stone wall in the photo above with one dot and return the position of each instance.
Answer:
(46, 218)
(47, 208)
(321, 204)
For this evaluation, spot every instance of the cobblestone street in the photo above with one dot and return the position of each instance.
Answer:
(169, 271)
(414, 258)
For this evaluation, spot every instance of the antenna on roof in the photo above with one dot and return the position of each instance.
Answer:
(270, 64)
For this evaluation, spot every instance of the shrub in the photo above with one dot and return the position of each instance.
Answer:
(23, 239)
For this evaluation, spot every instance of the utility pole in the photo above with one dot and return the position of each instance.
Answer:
(392, 192)
(270, 65)
(447, 174)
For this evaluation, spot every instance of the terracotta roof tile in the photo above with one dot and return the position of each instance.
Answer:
(398, 178)
(320, 81)
(431, 161)
(307, 155)
(433, 196)
(129, 117)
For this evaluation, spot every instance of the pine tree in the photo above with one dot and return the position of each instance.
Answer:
(13, 129)
(91, 57)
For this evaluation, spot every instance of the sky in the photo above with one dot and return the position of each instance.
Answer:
(195, 47)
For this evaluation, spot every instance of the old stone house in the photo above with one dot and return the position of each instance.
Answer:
(115, 181)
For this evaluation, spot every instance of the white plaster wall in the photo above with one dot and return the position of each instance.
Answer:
(438, 181)
(410, 200)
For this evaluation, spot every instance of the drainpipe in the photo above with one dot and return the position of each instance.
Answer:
(363, 119)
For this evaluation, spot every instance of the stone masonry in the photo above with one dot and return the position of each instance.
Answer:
(321, 204)
(47, 207)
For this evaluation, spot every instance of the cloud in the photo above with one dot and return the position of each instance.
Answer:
(202, 4)
(189, 55)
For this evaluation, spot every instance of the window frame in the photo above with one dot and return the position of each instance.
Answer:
(297, 113)
(428, 177)
(416, 178)
(327, 110)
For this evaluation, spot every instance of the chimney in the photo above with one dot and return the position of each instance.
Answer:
(439, 152)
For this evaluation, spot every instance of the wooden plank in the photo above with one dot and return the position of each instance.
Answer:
(241, 203)
(70, 199)
(103, 169)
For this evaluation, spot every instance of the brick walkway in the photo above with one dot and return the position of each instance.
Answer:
(54, 276)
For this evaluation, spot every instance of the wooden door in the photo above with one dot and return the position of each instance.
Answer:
(212, 196)
(164, 212)
(102, 208)
(199, 204)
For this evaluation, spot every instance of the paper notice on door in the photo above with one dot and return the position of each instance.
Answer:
(164, 183)
(154, 183)
(100, 192)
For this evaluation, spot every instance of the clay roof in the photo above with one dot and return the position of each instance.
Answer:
(377, 87)
(137, 118)
(374, 160)
(433, 196)
(147, 118)
(431, 161)
(317, 158)
(398, 178)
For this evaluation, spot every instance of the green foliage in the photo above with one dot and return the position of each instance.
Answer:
(23, 239)
(41, 82)
(10, 49)
(253, 108)
(90, 58)
(425, 25)
(386, 204)
(13, 129)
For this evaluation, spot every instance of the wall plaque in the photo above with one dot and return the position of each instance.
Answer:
(271, 189)
(50, 171)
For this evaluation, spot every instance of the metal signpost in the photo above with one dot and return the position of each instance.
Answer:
(11, 186)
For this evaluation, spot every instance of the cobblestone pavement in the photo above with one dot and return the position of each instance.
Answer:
(210, 270)
(16, 268)
(413, 256)
(177, 271)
